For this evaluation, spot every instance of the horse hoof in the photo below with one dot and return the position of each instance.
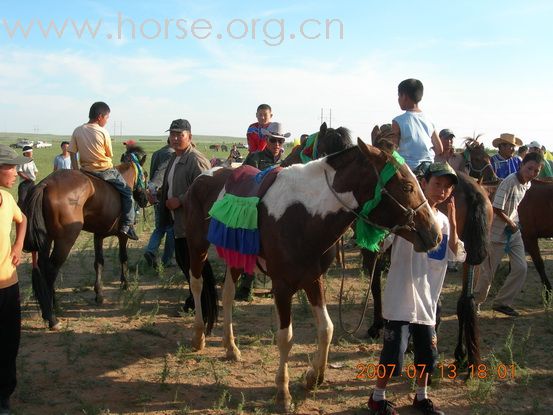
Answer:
(374, 331)
(199, 343)
(312, 380)
(234, 355)
(283, 402)
(124, 285)
(55, 326)
(99, 299)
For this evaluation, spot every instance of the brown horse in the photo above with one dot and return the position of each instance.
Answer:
(63, 204)
(300, 218)
(473, 214)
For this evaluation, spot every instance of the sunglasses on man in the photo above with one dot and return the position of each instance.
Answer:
(274, 140)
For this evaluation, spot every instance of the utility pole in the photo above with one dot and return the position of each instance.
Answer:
(329, 116)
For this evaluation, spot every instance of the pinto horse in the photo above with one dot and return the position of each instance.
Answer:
(63, 204)
(473, 215)
(300, 218)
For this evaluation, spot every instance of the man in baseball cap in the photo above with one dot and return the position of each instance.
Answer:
(10, 157)
(179, 126)
(449, 155)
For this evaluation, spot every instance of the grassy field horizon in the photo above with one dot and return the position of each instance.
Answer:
(14, 137)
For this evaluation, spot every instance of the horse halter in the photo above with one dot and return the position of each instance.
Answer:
(395, 162)
(468, 163)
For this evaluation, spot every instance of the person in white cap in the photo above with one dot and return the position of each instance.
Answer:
(546, 171)
(27, 175)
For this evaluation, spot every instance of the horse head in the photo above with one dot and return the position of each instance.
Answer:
(384, 138)
(332, 140)
(478, 161)
(403, 208)
(134, 160)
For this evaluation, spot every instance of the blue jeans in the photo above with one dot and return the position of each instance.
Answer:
(157, 236)
(113, 177)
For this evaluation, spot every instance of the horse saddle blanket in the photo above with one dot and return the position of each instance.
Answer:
(233, 228)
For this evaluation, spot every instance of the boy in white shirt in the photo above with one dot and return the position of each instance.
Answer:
(411, 295)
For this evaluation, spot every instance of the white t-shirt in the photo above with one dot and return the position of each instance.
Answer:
(29, 169)
(415, 279)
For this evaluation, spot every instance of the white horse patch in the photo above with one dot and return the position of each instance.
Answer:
(306, 184)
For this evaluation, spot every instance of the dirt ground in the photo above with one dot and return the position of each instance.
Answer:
(132, 355)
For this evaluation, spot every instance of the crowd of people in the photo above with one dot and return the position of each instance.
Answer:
(413, 287)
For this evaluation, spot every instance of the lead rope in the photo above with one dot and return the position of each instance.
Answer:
(341, 294)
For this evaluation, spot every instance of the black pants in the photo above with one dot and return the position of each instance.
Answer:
(22, 191)
(183, 259)
(10, 333)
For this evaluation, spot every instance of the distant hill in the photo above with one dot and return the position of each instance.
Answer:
(11, 138)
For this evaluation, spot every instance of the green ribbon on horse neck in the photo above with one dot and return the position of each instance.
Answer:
(309, 152)
(368, 236)
(140, 180)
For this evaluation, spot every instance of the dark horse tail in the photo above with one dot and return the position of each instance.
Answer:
(36, 237)
(476, 238)
(475, 232)
(36, 240)
(210, 310)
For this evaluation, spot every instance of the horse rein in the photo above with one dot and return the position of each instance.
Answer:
(407, 211)
(468, 163)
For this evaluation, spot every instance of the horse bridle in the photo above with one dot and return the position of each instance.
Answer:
(407, 211)
(468, 163)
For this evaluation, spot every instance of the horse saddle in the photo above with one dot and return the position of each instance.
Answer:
(233, 228)
(247, 181)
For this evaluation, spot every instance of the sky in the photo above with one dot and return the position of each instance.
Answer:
(485, 65)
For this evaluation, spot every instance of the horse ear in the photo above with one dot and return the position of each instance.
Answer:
(374, 134)
(322, 130)
(369, 151)
(143, 159)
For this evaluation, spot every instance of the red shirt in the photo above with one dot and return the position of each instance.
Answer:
(256, 141)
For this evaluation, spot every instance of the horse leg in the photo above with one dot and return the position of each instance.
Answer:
(51, 268)
(531, 245)
(283, 303)
(98, 267)
(315, 293)
(43, 288)
(229, 289)
(373, 262)
(124, 261)
(196, 284)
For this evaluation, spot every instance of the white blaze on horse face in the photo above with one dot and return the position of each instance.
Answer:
(306, 184)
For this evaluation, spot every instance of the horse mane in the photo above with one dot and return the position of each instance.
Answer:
(341, 139)
(472, 142)
(475, 232)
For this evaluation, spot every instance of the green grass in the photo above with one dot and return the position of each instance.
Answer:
(44, 157)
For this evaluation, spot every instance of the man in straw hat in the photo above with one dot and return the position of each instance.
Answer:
(505, 162)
